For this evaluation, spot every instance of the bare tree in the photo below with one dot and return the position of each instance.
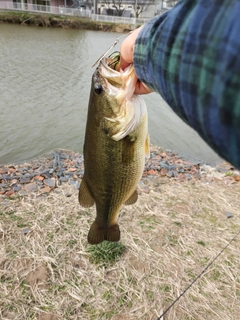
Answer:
(141, 6)
(117, 5)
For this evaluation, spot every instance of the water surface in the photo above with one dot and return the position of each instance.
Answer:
(45, 78)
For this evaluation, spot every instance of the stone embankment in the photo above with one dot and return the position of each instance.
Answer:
(44, 174)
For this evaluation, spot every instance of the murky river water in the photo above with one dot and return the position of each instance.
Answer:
(45, 77)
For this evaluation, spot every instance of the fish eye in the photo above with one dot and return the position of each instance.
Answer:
(98, 88)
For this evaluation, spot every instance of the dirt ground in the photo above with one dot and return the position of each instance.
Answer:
(48, 271)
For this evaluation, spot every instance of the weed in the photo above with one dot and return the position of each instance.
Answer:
(105, 252)
(201, 243)
(177, 223)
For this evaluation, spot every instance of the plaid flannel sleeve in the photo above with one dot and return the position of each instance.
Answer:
(191, 56)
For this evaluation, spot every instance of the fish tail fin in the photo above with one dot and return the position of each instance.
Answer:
(98, 234)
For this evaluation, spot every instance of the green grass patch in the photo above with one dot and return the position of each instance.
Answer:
(201, 243)
(105, 253)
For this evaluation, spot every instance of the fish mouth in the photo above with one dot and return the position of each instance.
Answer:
(119, 83)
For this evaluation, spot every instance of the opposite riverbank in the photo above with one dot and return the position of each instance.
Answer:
(185, 215)
(55, 21)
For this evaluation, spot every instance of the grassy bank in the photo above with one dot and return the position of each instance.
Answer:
(48, 20)
(50, 272)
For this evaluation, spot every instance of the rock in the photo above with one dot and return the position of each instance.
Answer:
(68, 195)
(151, 172)
(175, 174)
(3, 185)
(236, 178)
(3, 170)
(9, 193)
(206, 169)
(41, 196)
(13, 182)
(17, 188)
(229, 215)
(68, 176)
(144, 188)
(170, 174)
(50, 182)
(181, 176)
(31, 187)
(163, 164)
(224, 167)
(64, 179)
(26, 231)
(42, 172)
(45, 189)
(11, 170)
(40, 178)
(163, 172)
(154, 167)
(72, 169)
(22, 193)
(64, 156)
(229, 180)
(197, 175)
(25, 179)
(40, 184)
(72, 182)
(6, 177)
(47, 175)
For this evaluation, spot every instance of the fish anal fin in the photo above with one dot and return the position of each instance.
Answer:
(84, 196)
(98, 234)
(132, 199)
(147, 146)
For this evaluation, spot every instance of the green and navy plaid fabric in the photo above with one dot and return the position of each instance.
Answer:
(191, 56)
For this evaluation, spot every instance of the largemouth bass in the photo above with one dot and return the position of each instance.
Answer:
(116, 143)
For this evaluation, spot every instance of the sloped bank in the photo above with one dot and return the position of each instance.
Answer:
(44, 174)
(177, 226)
(48, 20)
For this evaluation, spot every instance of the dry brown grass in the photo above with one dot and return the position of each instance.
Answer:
(169, 236)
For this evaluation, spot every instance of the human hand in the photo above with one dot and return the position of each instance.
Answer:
(126, 58)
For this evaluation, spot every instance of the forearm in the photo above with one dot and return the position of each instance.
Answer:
(190, 56)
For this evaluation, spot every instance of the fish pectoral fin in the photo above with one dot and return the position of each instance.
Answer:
(84, 196)
(98, 234)
(147, 146)
(132, 199)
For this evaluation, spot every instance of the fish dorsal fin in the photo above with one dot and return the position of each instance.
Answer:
(129, 118)
(132, 199)
(84, 197)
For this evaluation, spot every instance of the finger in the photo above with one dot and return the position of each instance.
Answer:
(127, 48)
(141, 88)
(123, 64)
